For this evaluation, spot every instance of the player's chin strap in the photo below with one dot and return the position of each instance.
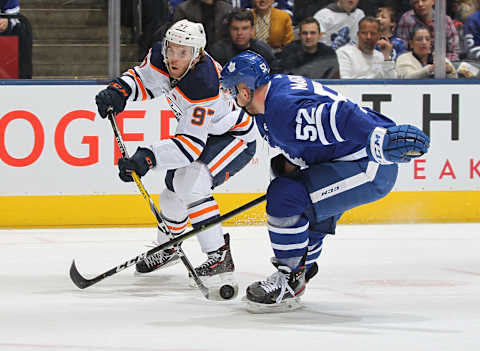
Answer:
(161, 224)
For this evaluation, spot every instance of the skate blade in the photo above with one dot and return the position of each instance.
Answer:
(169, 264)
(215, 280)
(284, 306)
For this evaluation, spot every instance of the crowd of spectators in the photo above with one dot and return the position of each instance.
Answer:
(321, 39)
(325, 39)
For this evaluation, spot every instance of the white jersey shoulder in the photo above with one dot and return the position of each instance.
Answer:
(200, 106)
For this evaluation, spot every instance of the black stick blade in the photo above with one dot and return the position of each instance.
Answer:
(78, 279)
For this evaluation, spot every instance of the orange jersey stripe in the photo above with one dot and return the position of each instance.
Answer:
(243, 124)
(189, 144)
(139, 83)
(205, 210)
(232, 150)
(178, 228)
(159, 70)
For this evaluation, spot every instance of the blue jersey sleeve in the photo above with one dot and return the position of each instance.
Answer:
(322, 117)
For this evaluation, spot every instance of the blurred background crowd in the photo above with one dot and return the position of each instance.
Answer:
(320, 39)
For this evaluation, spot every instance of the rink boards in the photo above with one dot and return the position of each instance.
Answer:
(57, 156)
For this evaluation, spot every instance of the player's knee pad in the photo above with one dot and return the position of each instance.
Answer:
(193, 182)
(172, 206)
(287, 197)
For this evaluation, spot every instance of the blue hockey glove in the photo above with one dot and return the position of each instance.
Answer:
(397, 144)
(113, 97)
(142, 160)
(340, 39)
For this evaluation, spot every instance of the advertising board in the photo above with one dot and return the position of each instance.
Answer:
(58, 157)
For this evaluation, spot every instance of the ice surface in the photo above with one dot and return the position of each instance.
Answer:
(380, 287)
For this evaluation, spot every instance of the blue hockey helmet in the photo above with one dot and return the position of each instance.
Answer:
(247, 67)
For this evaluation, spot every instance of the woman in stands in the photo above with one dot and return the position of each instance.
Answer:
(418, 63)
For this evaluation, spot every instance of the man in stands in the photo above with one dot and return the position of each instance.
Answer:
(241, 28)
(307, 56)
(362, 61)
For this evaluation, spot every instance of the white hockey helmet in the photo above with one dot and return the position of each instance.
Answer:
(185, 33)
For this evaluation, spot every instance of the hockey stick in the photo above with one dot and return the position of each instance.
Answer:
(83, 283)
(161, 224)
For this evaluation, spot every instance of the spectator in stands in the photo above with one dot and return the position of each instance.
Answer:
(20, 27)
(418, 63)
(306, 8)
(362, 60)
(422, 13)
(307, 56)
(339, 22)
(272, 25)
(9, 7)
(471, 32)
(459, 11)
(241, 27)
(211, 13)
(386, 15)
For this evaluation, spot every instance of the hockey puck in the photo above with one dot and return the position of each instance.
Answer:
(227, 292)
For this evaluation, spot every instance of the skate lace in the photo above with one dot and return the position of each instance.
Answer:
(210, 261)
(158, 257)
(154, 259)
(277, 280)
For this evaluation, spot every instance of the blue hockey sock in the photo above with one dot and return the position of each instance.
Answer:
(290, 242)
(314, 248)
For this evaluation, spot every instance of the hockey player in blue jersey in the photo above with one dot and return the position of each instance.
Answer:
(335, 155)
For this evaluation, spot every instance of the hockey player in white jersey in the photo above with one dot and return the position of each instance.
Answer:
(335, 155)
(212, 142)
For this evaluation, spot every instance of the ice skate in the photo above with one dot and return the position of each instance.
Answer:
(217, 270)
(161, 259)
(278, 293)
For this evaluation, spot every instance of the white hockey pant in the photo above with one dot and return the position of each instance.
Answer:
(192, 200)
